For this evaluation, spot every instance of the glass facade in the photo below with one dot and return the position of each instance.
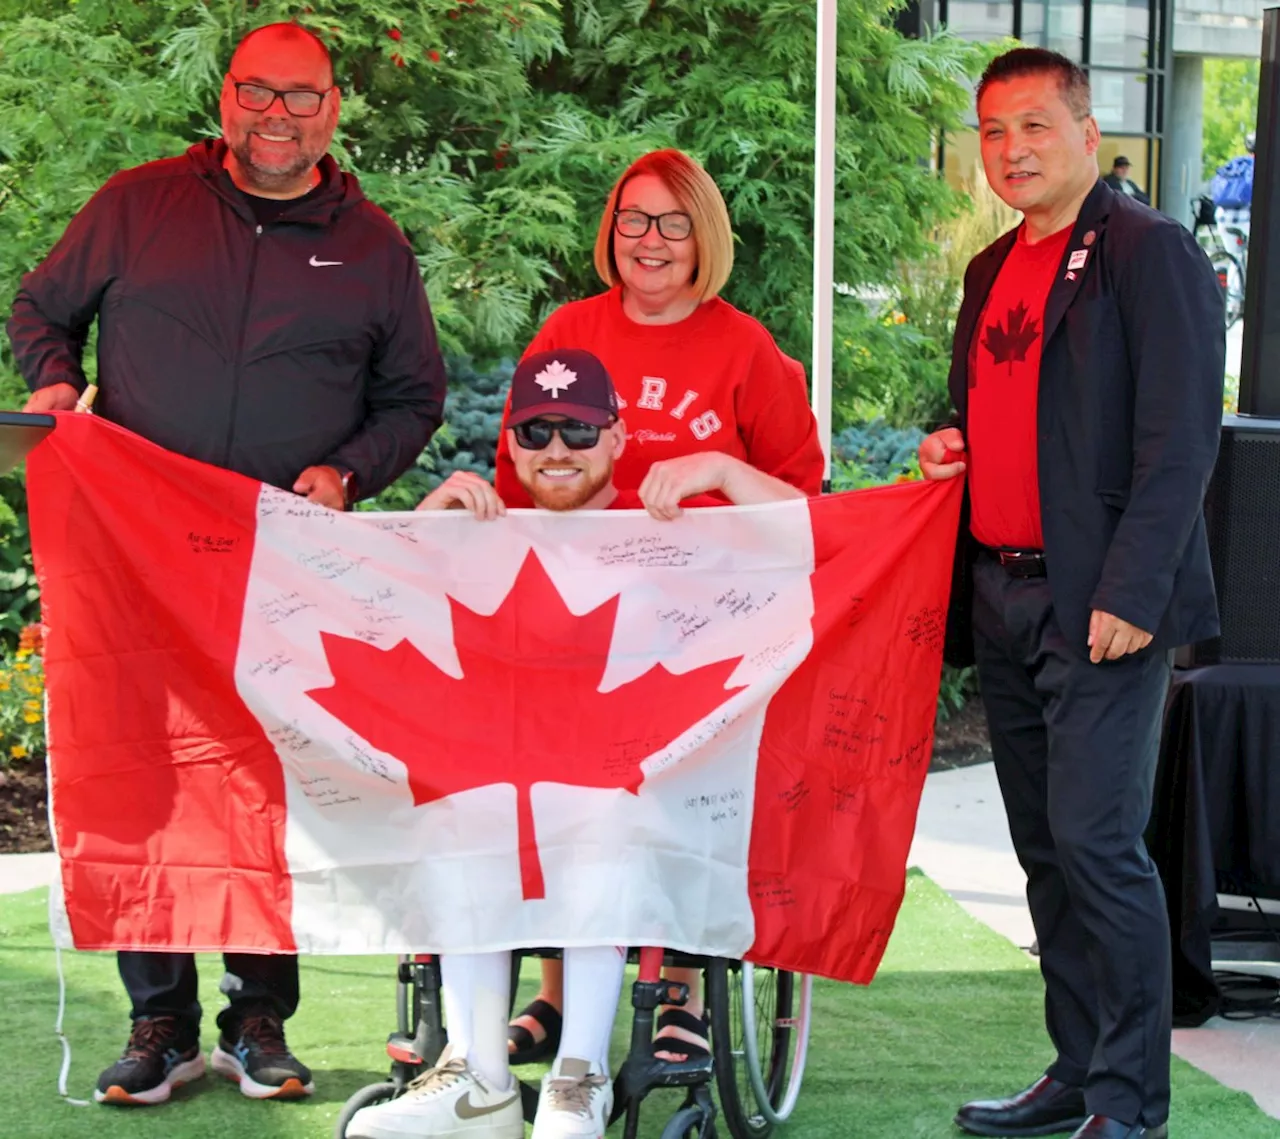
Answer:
(1118, 42)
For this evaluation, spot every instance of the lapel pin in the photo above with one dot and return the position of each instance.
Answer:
(1070, 275)
(1078, 258)
(1090, 237)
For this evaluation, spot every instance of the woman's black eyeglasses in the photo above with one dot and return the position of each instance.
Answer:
(300, 104)
(674, 226)
(535, 434)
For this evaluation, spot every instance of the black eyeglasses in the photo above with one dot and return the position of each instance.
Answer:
(300, 104)
(674, 226)
(535, 434)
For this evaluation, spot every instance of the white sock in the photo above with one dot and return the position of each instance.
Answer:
(476, 991)
(592, 982)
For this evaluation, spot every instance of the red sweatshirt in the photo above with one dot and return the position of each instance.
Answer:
(715, 381)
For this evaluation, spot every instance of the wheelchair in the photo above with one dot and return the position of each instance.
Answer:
(759, 1041)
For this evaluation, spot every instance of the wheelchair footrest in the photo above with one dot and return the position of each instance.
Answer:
(639, 1075)
(401, 1049)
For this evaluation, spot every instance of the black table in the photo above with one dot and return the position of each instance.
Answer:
(1215, 825)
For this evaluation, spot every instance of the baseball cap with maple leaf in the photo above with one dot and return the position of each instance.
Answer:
(569, 381)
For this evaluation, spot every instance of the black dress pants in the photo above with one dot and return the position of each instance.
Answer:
(1075, 747)
(165, 984)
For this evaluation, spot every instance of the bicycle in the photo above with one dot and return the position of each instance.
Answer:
(1224, 236)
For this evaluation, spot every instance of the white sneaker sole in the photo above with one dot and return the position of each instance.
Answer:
(181, 1074)
(225, 1064)
(500, 1125)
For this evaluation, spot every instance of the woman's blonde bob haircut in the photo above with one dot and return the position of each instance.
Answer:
(699, 197)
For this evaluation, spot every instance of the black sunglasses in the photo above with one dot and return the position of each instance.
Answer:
(535, 434)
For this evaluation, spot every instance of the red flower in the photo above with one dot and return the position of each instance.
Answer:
(433, 55)
(397, 59)
(394, 33)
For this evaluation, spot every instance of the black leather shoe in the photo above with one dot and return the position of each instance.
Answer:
(1047, 1107)
(1100, 1127)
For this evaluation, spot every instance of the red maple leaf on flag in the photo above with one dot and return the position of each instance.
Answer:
(528, 708)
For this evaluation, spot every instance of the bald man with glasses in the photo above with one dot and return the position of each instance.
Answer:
(257, 312)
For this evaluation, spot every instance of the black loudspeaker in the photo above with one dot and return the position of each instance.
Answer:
(1260, 358)
(1242, 510)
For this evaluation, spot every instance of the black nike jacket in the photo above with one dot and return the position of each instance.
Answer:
(262, 349)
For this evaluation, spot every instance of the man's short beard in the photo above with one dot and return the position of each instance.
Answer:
(273, 180)
(548, 499)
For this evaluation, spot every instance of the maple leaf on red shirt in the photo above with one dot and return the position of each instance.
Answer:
(528, 708)
(1011, 343)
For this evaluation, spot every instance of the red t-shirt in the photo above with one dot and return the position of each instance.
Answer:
(1004, 381)
(630, 500)
(715, 381)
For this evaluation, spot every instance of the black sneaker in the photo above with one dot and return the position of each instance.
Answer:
(162, 1054)
(260, 1061)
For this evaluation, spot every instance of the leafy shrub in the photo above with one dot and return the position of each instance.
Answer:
(19, 595)
(869, 454)
(22, 698)
(958, 687)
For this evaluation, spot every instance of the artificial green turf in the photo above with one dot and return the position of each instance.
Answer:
(954, 1013)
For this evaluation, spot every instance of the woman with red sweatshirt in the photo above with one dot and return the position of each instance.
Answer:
(692, 374)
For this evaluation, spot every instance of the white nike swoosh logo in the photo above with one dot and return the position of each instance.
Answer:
(318, 264)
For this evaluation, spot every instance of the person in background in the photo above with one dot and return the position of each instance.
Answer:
(1231, 190)
(257, 312)
(693, 374)
(1087, 377)
(1120, 181)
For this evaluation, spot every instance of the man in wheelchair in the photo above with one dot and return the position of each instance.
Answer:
(565, 436)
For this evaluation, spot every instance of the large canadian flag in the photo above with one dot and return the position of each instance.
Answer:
(277, 727)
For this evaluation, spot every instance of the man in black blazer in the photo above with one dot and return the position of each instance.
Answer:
(1087, 376)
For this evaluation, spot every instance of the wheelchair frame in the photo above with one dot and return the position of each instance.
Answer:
(759, 1042)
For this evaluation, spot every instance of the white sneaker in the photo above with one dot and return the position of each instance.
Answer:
(575, 1103)
(449, 1100)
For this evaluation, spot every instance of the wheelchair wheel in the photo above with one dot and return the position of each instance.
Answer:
(365, 1097)
(757, 1037)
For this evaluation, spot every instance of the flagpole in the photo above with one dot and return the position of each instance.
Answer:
(824, 189)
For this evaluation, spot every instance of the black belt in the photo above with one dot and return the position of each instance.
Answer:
(1018, 563)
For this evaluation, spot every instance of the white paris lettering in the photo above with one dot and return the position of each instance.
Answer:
(678, 411)
(705, 425)
(652, 391)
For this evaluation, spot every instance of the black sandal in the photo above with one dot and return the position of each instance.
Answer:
(531, 1051)
(679, 1018)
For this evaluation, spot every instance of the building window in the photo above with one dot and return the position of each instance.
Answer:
(1118, 33)
(980, 21)
(1055, 24)
(1120, 101)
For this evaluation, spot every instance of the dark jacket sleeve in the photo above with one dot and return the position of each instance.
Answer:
(405, 399)
(1171, 310)
(957, 649)
(59, 298)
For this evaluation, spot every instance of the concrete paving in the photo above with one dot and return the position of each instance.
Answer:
(21, 872)
(962, 842)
